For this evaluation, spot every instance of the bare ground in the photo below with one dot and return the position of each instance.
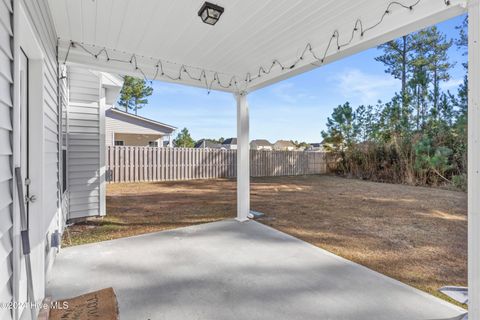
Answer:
(414, 234)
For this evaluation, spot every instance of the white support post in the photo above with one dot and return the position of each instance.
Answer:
(474, 159)
(102, 165)
(243, 158)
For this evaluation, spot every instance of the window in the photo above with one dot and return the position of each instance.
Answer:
(119, 142)
(153, 143)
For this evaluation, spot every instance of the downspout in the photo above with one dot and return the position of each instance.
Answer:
(60, 168)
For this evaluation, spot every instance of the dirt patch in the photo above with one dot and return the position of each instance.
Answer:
(414, 234)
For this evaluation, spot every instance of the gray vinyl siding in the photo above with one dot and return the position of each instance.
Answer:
(6, 174)
(84, 143)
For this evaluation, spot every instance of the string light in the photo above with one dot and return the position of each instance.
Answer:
(233, 82)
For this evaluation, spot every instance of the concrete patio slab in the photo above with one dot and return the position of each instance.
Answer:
(232, 270)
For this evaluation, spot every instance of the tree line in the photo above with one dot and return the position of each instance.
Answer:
(419, 136)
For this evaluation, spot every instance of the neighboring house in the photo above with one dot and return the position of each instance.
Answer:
(316, 147)
(284, 145)
(207, 144)
(230, 144)
(261, 144)
(320, 147)
(126, 129)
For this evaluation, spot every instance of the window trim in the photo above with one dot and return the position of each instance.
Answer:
(153, 144)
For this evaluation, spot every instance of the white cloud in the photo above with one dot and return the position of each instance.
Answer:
(451, 84)
(356, 85)
(289, 93)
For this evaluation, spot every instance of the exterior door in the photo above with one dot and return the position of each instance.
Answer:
(24, 143)
(24, 159)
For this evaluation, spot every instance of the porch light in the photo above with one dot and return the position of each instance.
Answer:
(210, 13)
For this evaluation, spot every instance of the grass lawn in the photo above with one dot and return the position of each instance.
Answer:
(414, 234)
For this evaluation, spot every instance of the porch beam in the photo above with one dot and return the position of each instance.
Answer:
(78, 58)
(243, 158)
(427, 13)
(473, 159)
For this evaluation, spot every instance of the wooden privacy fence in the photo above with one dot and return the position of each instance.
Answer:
(136, 164)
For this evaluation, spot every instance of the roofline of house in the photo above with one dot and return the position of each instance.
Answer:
(142, 118)
(112, 80)
(230, 141)
(263, 142)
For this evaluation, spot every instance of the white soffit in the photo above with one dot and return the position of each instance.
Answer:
(250, 34)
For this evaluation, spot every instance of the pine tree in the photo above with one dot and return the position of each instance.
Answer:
(421, 77)
(446, 112)
(342, 129)
(184, 139)
(462, 41)
(462, 44)
(134, 93)
(396, 58)
(365, 121)
(439, 64)
(419, 86)
(419, 136)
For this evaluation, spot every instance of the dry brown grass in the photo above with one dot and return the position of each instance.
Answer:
(139, 208)
(414, 234)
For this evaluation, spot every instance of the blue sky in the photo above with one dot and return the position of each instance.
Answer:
(294, 109)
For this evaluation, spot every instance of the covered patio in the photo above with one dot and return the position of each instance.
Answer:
(232, 270)
(241, 269)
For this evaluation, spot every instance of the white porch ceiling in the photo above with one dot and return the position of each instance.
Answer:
(250, 34)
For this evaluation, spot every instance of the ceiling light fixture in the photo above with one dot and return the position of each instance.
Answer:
(210, 13)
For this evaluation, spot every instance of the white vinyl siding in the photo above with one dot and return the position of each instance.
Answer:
(38, 12)
(6, 174)
(84, 143)
(46, 221)
(118, 123)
